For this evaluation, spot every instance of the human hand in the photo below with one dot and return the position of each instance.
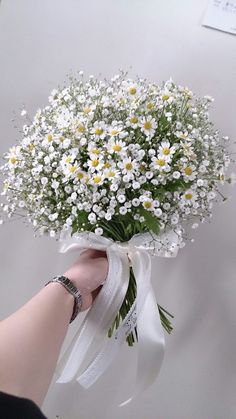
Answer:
(88, 274)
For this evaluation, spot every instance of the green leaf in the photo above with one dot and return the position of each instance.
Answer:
(178, 184)
(82, 217)
(151, 222)
(159, 193)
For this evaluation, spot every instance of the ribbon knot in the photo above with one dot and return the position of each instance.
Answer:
(123, 247)
(91, 351)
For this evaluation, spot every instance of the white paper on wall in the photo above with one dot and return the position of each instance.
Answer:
(221, 15)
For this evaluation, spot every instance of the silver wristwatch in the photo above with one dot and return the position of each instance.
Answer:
(71, 288)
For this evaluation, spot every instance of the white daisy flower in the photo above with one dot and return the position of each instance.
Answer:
(160, 164)
(99, 130)
(166, 150)
(132, 121)
(189, 172)
(189, 197)
(79, 127)
(116, 146)
(67, 159)
(97, 179)
(115, 130)
(128, 165)
(112, 173)
(93, 150)
(132, 89)
(71, 169)
(95, 163)
(148, 204)
(88, 110)
(148, 126)
(13, 156)
(81, 176)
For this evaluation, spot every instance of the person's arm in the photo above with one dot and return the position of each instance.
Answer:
(31, 338)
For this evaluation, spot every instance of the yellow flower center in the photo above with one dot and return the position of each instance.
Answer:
(165, 97)
(95, 151)
(166, 151)
(134, 120)
(31, 147)
(114, 132)
(147, 204)
(87, 110)
(97, 179)
(72, 169)
(129, 166)
(188, 171)
(150, 105)
(142, 167)
(117, 147)
(13, 160)
(68, 159)
(80, 175)
(62, 139)
(188, 195)
(147, 125)
(132, 90)
(107, 165)
(95, 163)
(161, 162)
(98, 131)
(81, 128)
(111, 174)
(50, 138)
(6, 185)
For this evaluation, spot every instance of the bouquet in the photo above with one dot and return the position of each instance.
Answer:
(117, 158)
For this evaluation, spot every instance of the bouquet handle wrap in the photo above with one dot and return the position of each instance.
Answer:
(91, 351)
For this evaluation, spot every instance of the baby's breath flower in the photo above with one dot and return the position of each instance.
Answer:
(118, 149)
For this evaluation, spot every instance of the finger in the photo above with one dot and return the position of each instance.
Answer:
(93, 253)
(96, 292)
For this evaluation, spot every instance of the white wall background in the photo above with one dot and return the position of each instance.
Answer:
(40, 42)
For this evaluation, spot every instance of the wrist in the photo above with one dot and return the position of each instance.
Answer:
(71, 289)
(77, 279)
(78, 282)
(63, 292)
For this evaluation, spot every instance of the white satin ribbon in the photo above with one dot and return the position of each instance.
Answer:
(91, 351)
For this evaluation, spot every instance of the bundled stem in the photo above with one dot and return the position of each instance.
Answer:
(119, 232)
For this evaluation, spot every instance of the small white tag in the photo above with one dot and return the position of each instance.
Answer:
(221, 15)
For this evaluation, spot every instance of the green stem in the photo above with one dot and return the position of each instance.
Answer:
(117, 232)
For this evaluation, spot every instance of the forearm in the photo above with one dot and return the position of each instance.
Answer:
(31, 338)
(30, 342)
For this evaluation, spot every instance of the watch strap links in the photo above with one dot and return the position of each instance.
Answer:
(71, 288)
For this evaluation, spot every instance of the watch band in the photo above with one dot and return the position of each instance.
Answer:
(71, 288)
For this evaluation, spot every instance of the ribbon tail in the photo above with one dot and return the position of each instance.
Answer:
(151, 342)
(112, 345)
(93, 332)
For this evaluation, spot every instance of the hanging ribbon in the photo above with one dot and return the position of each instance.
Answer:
(91, 351)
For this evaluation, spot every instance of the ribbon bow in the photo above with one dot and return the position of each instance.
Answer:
(91, 351)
